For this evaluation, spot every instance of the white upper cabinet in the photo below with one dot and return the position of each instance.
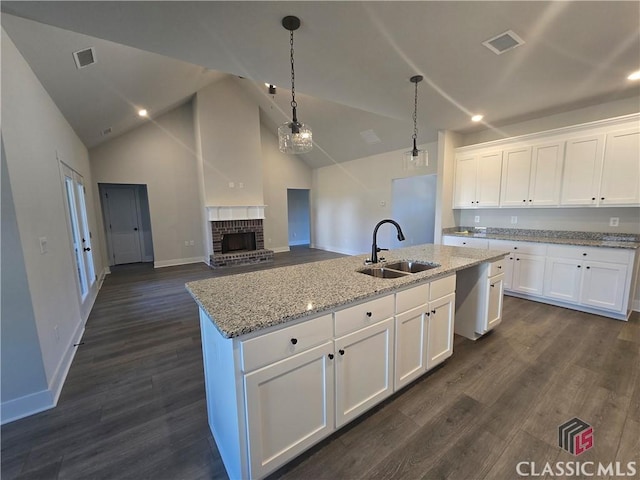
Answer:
(596, 164)
(478, 180)
(516, 169)
(582, 167)
(621, 172)
(546, 174)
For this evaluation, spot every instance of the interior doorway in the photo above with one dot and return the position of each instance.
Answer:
(127, 223)
(413, 206)
(299, 214)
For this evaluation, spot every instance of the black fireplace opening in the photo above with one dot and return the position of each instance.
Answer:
(238, 242)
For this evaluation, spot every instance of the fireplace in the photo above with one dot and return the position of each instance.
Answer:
(238, 242)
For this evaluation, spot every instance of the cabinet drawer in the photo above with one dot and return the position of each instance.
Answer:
(523, 247)
(442, 286)
(412, 298)
(360, 316)
(596, 254)
(271, 347)
(496, 267)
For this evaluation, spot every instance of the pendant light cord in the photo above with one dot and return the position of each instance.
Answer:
(415, 116)
(293, 83)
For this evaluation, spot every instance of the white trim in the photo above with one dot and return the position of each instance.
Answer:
(60, 375)
(555, 131)
(280, 249)
(235, 212)
(25, 406)
(177, 261)
(635, 305)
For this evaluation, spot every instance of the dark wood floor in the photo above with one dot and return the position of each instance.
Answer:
(133, 404)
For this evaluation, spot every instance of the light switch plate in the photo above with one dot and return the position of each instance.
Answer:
(43, 245)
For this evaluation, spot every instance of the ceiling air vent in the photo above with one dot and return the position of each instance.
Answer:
(504, 42)
(106, 131)
(84, 57)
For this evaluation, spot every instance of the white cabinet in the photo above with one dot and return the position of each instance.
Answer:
(495, 294)
(593, 277)
(546, 174)
(440, 319)
(424, 328)
(621, 172)
(528, 273)
(455, 241)
(289, 407)
(516, 169)
(582, 168)
(477, 182)
(364, 369)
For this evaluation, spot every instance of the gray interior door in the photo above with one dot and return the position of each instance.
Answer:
(123, 228)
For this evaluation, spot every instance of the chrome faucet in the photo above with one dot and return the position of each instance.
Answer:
(374, 246)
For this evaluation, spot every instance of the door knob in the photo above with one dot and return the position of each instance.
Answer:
(88, 249)
(135, 228)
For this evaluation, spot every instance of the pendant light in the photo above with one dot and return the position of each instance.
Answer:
(294, 137)
(415, 158)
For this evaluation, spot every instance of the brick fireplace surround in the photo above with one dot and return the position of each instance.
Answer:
(220, 228)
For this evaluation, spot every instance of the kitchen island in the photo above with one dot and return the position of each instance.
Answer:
(292, 354)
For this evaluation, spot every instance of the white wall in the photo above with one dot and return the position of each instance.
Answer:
(35, 135)
(229, 131)
(281, 171)
(161, 155)
(349, 199)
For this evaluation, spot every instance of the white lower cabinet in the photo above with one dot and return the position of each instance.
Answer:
(364, 369)
(411, 333)
(472, 242)
(290, 407)
(562, 279)
(528, 274)
(440, 330)
(494, 295)
(603, 285)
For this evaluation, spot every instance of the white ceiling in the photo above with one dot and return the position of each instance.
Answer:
(353, 62)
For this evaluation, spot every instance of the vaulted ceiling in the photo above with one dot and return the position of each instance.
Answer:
(353, 62)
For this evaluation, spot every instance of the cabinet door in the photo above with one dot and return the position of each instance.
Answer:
(509, 261)
(495, 294)
(546, 174)
(465, 184)
(410, 346)
(516, 169)
(621, 171)
(488, 179)
(364, 370)
(562, 279)
(603, 285)
(582, 167)
(440, 330)
(290, 406)
(528, 273)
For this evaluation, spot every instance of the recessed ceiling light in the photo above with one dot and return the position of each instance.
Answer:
(634, 76)
(477, 118)
(142, 112)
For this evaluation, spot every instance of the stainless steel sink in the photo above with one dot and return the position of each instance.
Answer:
(398, 269)
(411, 267)
(383, 272)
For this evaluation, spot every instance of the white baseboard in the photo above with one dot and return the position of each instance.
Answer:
(60, 375)
(299, 242)
(177, 261)
(21, 407)
(280, 249)
(635, 305)
(330, 248)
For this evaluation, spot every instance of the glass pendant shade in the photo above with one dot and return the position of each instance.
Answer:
(295, 139)
(415, 159)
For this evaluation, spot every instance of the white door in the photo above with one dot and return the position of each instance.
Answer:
(123, 228)
(410, 346)
(516, 168)
(75, 206)
(582, 167)
(440, 330)
(488, 179)
(603, 285)
(289, 407)
(364, 370)
(562, 279)
(621, 171)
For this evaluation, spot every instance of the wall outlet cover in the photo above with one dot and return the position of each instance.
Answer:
(476, 219)
(514, 219)
(614, 221)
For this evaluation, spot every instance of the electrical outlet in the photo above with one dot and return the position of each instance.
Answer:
(240, 185)
(56, 332)
(382, 203)
(476, 219)
(43, 245)
(232, 185)
(614, 221)
(186, 243)
(514, 219)
(191, 243)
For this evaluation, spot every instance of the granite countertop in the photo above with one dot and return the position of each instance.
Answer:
(584, 239)
(243, 303)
